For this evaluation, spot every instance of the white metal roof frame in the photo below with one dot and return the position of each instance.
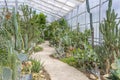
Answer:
(57, 8)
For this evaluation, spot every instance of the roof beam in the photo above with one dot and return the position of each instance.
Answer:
(51, 12)
(11, 2)
(52, 5)
(64, 4)
(55, 15)
(46, 6)
(8, 6)
(46, 10)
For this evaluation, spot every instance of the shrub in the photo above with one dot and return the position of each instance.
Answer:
(36, 67)
(70, 60)
(40, 40)
(3, 57)
(38, 48)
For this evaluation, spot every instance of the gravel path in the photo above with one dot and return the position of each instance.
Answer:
(57, 69)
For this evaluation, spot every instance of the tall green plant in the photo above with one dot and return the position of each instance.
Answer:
(29, 26)
(9, 47)
(41, 19)
(111, 35)
(91, 22)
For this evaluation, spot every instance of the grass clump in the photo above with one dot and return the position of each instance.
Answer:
(69, 60)
(3, 57)
(36, 66)
(38, 48)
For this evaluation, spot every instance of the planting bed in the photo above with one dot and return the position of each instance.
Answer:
(42, 75)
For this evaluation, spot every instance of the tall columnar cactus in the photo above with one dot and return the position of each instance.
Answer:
(17, 31)
(14, 66)
(109, 29)
(91, 22)
(111, 35)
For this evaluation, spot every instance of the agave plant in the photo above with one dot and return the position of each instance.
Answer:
(115, 72)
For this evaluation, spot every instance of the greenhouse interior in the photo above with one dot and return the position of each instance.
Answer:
(59, 39)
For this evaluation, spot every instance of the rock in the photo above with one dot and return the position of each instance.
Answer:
(23, 51)
(29, 63)
(26, 77)
(106, 76)
(41, 71)
(42, 76)
(93, 77)
(113, 65)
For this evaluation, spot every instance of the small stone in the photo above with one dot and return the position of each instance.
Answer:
(42, 76)
(41, 72)
(106, 76)
(113, 65)
(23, 51)
(93, 77)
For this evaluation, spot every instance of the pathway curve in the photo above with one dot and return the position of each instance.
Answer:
(57, 69)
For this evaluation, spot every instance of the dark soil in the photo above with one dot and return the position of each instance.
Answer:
(47, 76)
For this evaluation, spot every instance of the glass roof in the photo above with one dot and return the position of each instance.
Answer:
(57, 8)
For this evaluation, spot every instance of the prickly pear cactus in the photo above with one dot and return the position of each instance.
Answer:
(7, 74)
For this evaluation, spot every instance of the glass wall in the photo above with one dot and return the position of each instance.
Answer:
(98, 9)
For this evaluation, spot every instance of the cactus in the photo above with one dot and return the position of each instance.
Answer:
(91, 22)
(7, 74)
(22, 57)
(15, 27)
(110, 32)
(14, 66)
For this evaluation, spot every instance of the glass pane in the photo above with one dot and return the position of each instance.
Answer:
(63, 1)
(70, 4)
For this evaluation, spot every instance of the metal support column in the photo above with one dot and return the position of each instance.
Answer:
(100, 5)
(16, 6)
(71, 19)
(77, 14)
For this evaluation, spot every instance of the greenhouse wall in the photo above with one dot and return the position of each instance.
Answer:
(79, 16)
